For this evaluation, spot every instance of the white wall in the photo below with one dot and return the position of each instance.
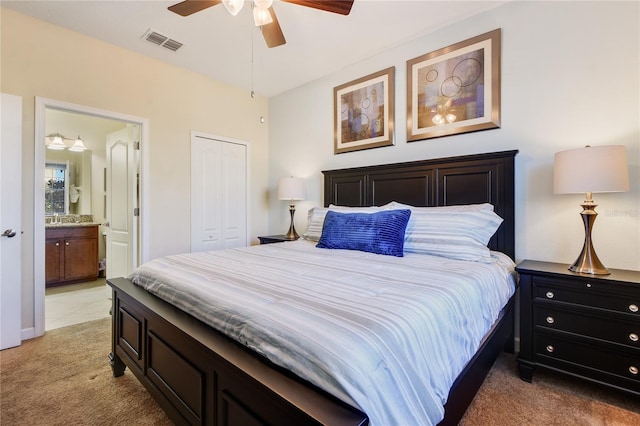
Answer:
(570, 77)
(41, 59)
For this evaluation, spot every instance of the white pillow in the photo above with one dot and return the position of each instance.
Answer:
(456, 232)
(315, 218)
(456, 208)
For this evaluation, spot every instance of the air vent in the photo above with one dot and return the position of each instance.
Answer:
(172, 45)
(162, 40)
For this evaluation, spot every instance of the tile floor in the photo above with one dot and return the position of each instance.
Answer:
(76, 303)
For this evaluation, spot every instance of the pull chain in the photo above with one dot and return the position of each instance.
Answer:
(252, 36)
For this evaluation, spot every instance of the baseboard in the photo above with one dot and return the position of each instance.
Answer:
(28, 333)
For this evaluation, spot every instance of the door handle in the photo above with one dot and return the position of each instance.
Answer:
(9, 233)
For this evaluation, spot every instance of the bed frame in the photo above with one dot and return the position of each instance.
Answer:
(199, 376)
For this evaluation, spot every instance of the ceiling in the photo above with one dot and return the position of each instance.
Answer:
(231, 50)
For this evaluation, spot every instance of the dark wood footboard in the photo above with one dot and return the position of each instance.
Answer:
(199, 376)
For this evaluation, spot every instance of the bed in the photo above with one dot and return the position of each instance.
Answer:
(200, 376)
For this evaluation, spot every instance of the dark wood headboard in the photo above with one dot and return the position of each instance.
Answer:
(469, 179)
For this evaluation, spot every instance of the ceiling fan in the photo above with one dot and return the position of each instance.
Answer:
(263, 14)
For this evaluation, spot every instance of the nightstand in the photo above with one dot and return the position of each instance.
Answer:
(270, 239)
(587, 326)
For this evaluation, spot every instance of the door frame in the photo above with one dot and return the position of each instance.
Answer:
(42, 104)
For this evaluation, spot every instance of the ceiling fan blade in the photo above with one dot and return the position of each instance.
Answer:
(272, 32)
(343, 7)
(188, 7)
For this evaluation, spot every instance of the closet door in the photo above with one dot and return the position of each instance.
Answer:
(218, 193)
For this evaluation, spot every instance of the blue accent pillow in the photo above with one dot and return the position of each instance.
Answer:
(381, 232)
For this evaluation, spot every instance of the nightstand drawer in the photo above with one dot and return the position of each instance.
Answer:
(588, 324)
(576, 355)
(587, 293)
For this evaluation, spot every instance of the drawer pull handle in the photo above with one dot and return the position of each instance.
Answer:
(550, 320)
(633, 337)
(550, 295)
(633, 308)
(57, 244)
(550, 348)
(633, 370)
(67, 243)
(588, 285)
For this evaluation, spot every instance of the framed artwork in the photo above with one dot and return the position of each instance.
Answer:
(455, 89)
(363, 112)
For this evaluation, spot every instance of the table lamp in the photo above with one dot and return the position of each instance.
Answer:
(291, 189)
(588, 170)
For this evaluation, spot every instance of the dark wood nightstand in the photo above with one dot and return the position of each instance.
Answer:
(587, 326)
(270, 239)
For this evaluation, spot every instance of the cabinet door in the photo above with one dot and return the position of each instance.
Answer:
(53, 261)
(80, 258)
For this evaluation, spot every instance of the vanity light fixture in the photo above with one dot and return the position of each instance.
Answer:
(58, 143)
(588, 170)
(78, 145)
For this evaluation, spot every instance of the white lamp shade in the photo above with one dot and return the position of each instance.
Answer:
(591, 169)
(261, 16)
(263, 4)
(57, 143)
(78, 146)
(233, 6)
(291, 188)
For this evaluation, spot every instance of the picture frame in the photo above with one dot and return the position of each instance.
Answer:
(363, 112)
(455, 89)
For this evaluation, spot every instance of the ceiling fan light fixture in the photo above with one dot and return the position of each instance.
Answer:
(263, 4)
(233, 6)
(261, 16)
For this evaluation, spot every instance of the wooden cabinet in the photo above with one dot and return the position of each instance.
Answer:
(583, 325)
(71, 254)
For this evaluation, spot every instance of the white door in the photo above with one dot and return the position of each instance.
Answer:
(10, 221)
(121, 188)
(218, 193)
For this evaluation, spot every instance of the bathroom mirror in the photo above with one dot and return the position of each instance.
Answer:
(67, 182)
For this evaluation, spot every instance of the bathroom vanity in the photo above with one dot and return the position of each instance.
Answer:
(71, 253)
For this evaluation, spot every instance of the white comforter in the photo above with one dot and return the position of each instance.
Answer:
(386, 334)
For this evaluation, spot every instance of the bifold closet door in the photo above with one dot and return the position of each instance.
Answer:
(218, 193)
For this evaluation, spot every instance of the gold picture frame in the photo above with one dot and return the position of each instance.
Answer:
(455, 89)
(363, 112)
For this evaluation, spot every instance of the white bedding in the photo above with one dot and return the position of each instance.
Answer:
(386, 334)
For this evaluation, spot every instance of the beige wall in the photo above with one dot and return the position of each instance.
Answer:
(570, 77)
(40, 59)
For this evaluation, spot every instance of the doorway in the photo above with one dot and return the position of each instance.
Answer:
(72, 121)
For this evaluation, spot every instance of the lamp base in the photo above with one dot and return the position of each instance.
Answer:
(588, 262)
(291, 235)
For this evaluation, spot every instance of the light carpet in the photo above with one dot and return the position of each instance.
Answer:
(64, 378)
